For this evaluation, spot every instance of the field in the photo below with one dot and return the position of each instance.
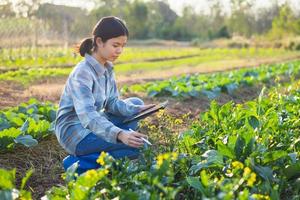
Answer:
(231, 130)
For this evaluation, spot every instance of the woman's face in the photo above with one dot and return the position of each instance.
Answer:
(112, 48)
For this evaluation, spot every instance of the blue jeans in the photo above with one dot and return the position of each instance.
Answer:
(89, 149)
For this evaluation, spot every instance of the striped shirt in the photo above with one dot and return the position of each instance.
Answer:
(89, 91)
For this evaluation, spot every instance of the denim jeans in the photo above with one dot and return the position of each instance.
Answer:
(89, 149)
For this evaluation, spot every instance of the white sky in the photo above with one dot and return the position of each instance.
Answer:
(177, 5)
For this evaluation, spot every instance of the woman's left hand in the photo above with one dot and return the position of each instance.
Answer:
(145, 107)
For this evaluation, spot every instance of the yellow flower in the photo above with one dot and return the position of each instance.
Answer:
(160, 113)
(174, 155)
(178, 121)
(251, 180)
(103, 172)
(237, 165)
(101, 158)
(260, 196)
(247, 171)
(91, 173)
(160, 160)
(166, 156)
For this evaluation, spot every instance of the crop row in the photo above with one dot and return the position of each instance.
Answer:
(47, 57)
(173, 86)
(55, 57)
(211, 85)
(26, 124)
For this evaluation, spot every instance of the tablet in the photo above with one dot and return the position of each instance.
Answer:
(146, 113)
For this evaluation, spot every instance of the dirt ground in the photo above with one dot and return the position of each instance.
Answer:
(46, 158)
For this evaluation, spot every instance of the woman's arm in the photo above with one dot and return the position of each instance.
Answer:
(118, 106)
(80, 86)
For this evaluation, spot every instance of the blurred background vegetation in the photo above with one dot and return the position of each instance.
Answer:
(36, 23)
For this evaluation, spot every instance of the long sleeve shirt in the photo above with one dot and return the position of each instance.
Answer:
(89, 91)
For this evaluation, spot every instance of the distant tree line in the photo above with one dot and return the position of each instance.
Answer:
(155, 19)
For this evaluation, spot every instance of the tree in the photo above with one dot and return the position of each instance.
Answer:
(26, 8)
(285, 24)
(240, 20)
(6, 9)
(137, 19)
(161, 19)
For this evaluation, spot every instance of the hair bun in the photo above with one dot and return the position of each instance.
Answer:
(85, 46)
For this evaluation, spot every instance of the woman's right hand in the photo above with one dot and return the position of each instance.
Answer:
(132, 139)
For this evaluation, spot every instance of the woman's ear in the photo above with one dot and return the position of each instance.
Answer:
(99, 41)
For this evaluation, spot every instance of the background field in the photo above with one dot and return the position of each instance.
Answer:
(231, 130)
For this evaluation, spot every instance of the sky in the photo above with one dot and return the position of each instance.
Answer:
(200, 6)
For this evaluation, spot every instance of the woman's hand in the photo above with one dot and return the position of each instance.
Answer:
(145, 107)
(132, 139)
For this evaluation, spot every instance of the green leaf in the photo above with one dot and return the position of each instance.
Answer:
(24, 127)
(152, 93)
(71, 172)
(225, 150)
(26, 140)
(292, 171)
(211, 94)
(204, 178)
(4, 125)
(129, 195)
(7, 179)
(230, 88)
(17, 121)
(213, 156)
(239, 147)
(25, 178)
(264, 172)
(6, 194)
(249, 147)
(253, 121)
(195, 183)
(52, 115)
(261, 95)
(273, 155)
(212, 159)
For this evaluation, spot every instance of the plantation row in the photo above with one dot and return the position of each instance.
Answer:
(184, 86)
(58, 57)
(47, 57)
(234, 151)
(34, 120)
(26, 124)
(211, 85)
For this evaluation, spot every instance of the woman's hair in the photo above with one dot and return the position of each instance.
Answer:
(106, 28)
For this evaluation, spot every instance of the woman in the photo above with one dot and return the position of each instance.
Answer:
(90, 114)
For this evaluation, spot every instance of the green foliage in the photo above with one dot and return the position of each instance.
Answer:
(285, 24)
(250, 142)
(133, 59)
(248, 151)
(26, 124)
(8, 188)
(212, 85)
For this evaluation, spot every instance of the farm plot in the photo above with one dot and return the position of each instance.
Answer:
(19, 58)
(243, 151)
(211, 85)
